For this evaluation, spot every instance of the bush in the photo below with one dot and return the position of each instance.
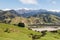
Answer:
(21, 24)
(29, 29)
(43, 33)
(7, 30)
(35, 36)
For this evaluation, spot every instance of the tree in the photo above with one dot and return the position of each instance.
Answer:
(21, 24)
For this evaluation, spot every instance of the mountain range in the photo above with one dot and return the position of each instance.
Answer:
(30, 16)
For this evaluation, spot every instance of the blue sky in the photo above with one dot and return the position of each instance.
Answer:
(31, 4)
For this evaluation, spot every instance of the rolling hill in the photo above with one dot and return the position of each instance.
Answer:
(29, 16)
(11, 32)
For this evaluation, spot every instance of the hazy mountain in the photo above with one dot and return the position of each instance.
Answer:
(31, 16)
(27, 13)
(47, 18)
(7, 15)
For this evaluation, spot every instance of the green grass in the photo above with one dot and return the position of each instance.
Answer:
(18, 33)
(51, 36)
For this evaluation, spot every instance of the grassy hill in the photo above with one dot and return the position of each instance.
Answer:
(51, 36)
(11, 32)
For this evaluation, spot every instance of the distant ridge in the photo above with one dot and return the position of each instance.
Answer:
(42, 15)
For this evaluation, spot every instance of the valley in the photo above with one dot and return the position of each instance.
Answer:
(29, 19)
(29, 25)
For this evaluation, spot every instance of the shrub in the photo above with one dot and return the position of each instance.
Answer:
(21, 24)
(35, 36)
(7, 30)
(43, 33)
(29, 29)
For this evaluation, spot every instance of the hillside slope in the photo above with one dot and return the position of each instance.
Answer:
(11, 32)
(32, 17)
(45, 18)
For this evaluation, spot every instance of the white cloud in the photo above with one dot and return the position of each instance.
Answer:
(6, 9)
(27, 8)
(19, 9)
(54, 10)
(29, 1)
(22, 8)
